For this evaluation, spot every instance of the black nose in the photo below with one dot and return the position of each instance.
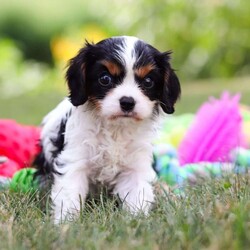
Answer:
(127, 103)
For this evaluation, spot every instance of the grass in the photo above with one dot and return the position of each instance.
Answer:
(195, 93)
(211, 215)
(29, 108)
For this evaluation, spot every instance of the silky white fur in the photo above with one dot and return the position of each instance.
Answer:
(116, 153)
(102, 147)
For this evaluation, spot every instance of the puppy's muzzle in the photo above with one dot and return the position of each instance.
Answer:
(127, 104)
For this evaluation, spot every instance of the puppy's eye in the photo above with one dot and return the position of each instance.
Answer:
(105, 79)
(148, 83)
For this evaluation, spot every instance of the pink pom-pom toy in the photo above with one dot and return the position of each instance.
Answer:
(216, 130)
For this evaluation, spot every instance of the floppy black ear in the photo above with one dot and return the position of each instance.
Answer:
(171, 87)
(76, 77)
(171, 91)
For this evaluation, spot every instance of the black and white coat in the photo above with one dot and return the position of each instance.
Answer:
(101, 135)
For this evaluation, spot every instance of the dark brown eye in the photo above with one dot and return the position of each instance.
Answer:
(148, 83)
(105, 79)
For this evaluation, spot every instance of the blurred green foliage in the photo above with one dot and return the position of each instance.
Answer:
(210, 38)
(16, 75)
(19, 76)
(30, 89)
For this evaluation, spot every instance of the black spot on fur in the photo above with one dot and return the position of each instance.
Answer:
(154, 164)
(58, 142)
(45, 170)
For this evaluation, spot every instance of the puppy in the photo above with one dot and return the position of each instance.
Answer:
(101, 135)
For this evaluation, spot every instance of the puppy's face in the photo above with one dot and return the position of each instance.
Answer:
(123, 77)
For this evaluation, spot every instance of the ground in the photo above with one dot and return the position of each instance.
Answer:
(212, 215)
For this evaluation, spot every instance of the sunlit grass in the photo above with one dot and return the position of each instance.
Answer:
(196, 92)
(213, 215)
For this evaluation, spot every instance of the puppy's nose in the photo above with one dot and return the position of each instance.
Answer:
(127, 103)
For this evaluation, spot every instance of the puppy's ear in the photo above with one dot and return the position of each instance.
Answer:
(76, 77)
(171, 87)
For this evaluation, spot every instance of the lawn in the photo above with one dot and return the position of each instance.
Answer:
(213, 214)
(195, 93)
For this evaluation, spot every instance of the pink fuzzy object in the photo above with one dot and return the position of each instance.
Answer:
(216, 130)
(19, 144)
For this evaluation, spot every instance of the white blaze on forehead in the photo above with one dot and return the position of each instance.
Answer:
(129, 52)
(128, 57)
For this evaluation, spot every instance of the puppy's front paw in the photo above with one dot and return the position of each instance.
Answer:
(138, 200)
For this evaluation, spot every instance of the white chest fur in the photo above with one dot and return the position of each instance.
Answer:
(107, 147)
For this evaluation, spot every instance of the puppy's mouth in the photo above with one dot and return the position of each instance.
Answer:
(126, 115)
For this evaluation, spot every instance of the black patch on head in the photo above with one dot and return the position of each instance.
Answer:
(110, 49)
(95, 89)
(85, 69)
(145, 54)
(166, 89)
(148, 55)
(153, 93)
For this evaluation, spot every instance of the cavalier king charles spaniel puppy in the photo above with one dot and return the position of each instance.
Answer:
(101, 135)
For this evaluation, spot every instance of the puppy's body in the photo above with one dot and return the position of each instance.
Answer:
(102, 134)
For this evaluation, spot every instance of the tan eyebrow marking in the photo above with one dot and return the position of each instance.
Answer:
(113, 68)
(142, 71)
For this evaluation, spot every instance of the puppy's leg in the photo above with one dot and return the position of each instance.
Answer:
(135, 190)
(69, 192)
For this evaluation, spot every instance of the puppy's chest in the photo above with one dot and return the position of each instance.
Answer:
(110, 156)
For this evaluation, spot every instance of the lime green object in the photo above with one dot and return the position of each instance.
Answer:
(23, 181)
(174, 129)
(245, 112)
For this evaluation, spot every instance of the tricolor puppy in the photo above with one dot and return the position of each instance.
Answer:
(101, 136)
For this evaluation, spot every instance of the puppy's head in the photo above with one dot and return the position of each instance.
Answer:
(123, 77)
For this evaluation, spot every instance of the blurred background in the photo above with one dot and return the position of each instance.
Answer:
(210, 40)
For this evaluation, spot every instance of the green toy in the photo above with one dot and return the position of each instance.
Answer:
(23, 180)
